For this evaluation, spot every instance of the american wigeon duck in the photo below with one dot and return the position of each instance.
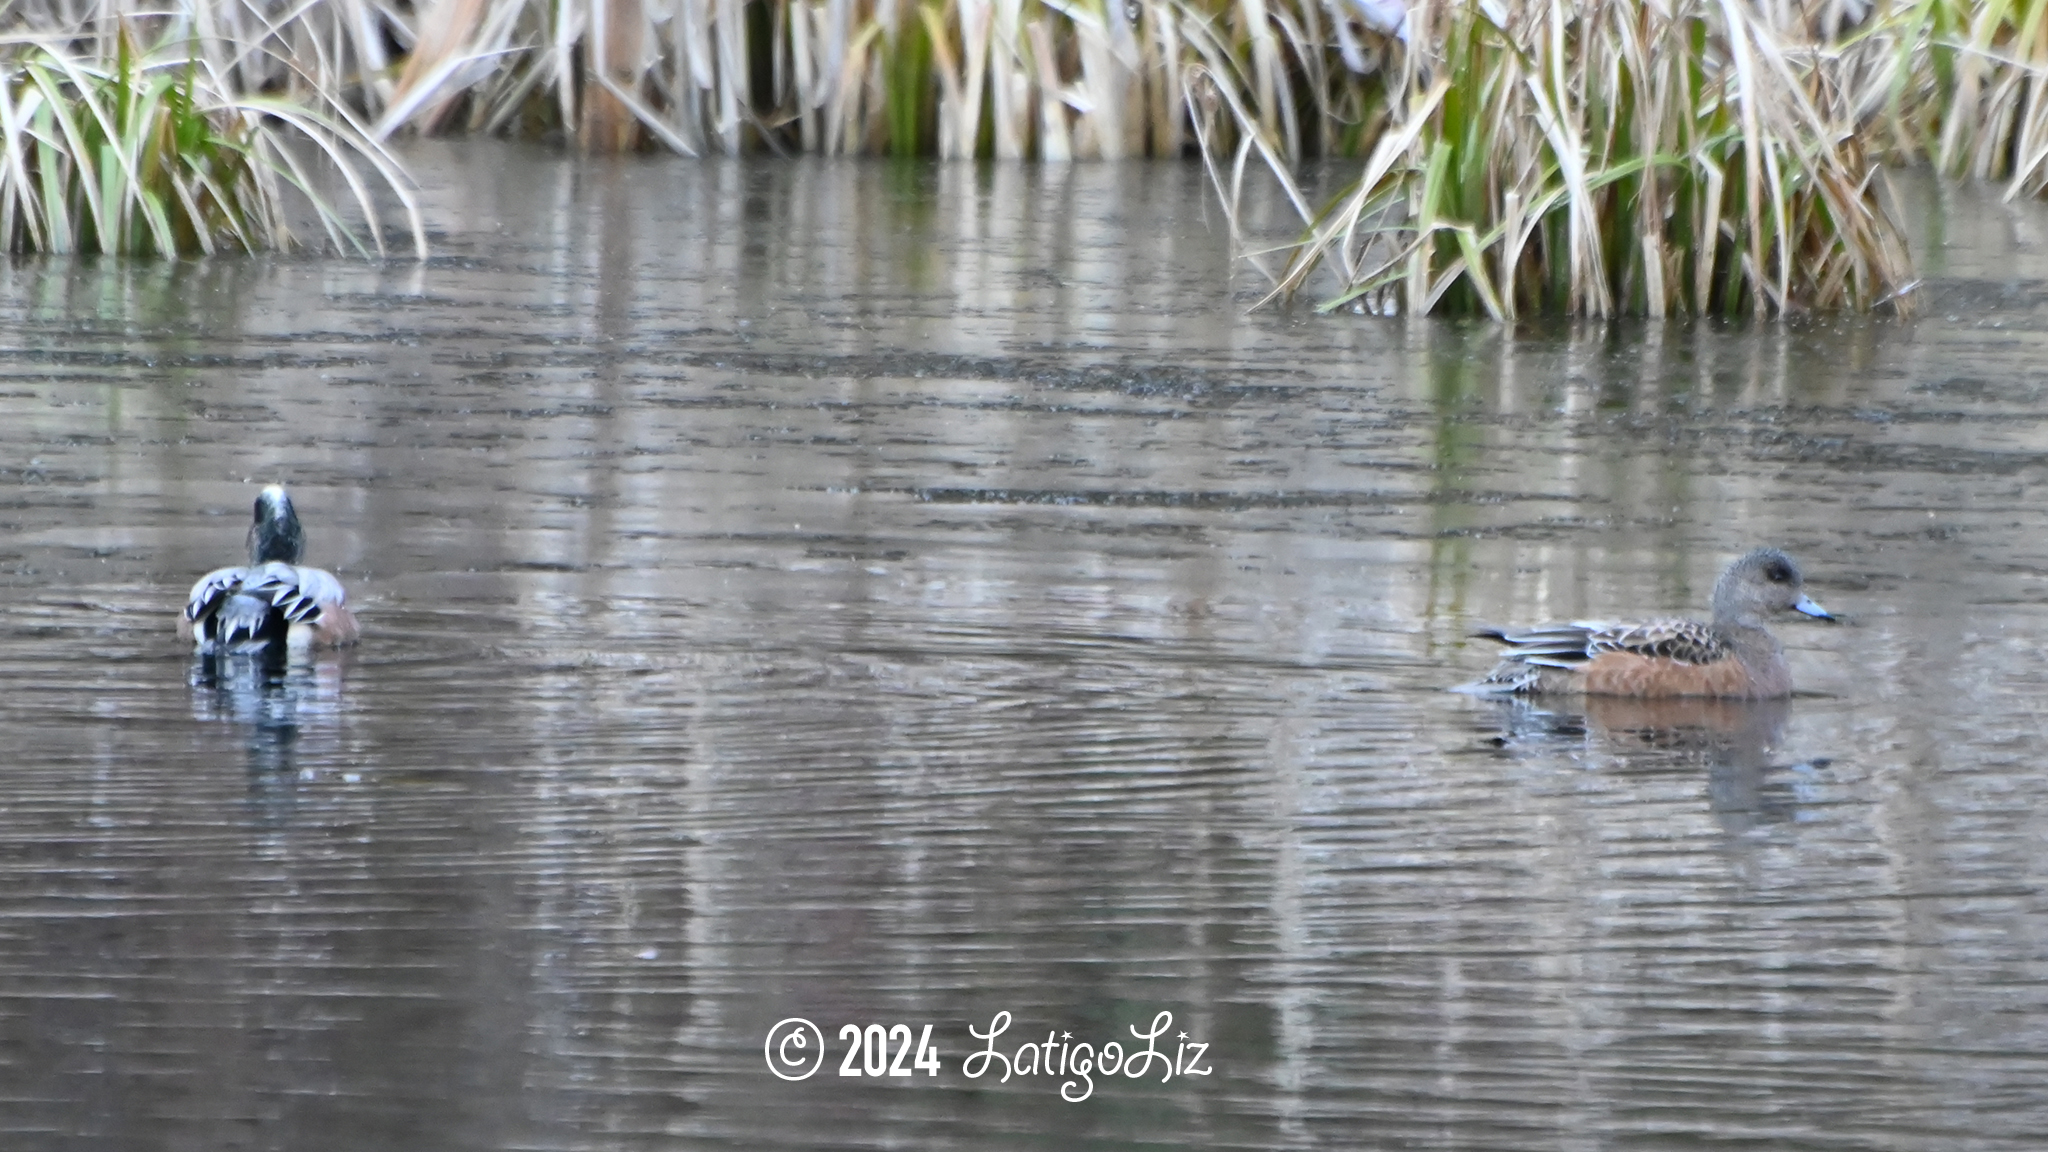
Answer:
(1734, 655)
(273, 602)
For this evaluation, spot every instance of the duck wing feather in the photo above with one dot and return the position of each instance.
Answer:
(1570, 646)
(239, 603)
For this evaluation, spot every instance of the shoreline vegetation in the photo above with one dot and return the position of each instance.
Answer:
(120, 147)
(1507, 157)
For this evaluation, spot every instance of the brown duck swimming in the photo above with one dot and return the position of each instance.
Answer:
(1733, 655)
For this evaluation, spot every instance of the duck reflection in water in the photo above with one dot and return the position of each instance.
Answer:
(278, 696)
(1736, 743)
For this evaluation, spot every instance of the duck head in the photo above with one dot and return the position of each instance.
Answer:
(276, 534)
(1760, 585)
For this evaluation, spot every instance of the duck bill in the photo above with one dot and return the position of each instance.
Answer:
(1807, 606)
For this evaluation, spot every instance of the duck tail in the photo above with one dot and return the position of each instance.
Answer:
(245, 623)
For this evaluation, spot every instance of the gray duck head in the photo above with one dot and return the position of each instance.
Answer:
(1762, 584)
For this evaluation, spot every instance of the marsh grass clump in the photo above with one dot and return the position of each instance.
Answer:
(1972, 88)
(1595, 159)
(151, 152)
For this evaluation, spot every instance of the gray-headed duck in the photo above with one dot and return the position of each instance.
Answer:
(1733, 655)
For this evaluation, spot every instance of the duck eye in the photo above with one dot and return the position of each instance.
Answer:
(1777, 573)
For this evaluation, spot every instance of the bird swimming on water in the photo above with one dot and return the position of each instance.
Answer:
(273, 603)
(1733, 655)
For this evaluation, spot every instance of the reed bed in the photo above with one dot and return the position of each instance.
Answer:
(1591, 158)
(1983, 67)
(1011, 79)
(1499, 157)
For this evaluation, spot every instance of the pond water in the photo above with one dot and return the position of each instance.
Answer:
(885, 595)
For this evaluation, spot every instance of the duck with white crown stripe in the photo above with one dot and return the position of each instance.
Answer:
(273, 603)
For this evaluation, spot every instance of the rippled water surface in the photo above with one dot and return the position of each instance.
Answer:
(908, 596)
